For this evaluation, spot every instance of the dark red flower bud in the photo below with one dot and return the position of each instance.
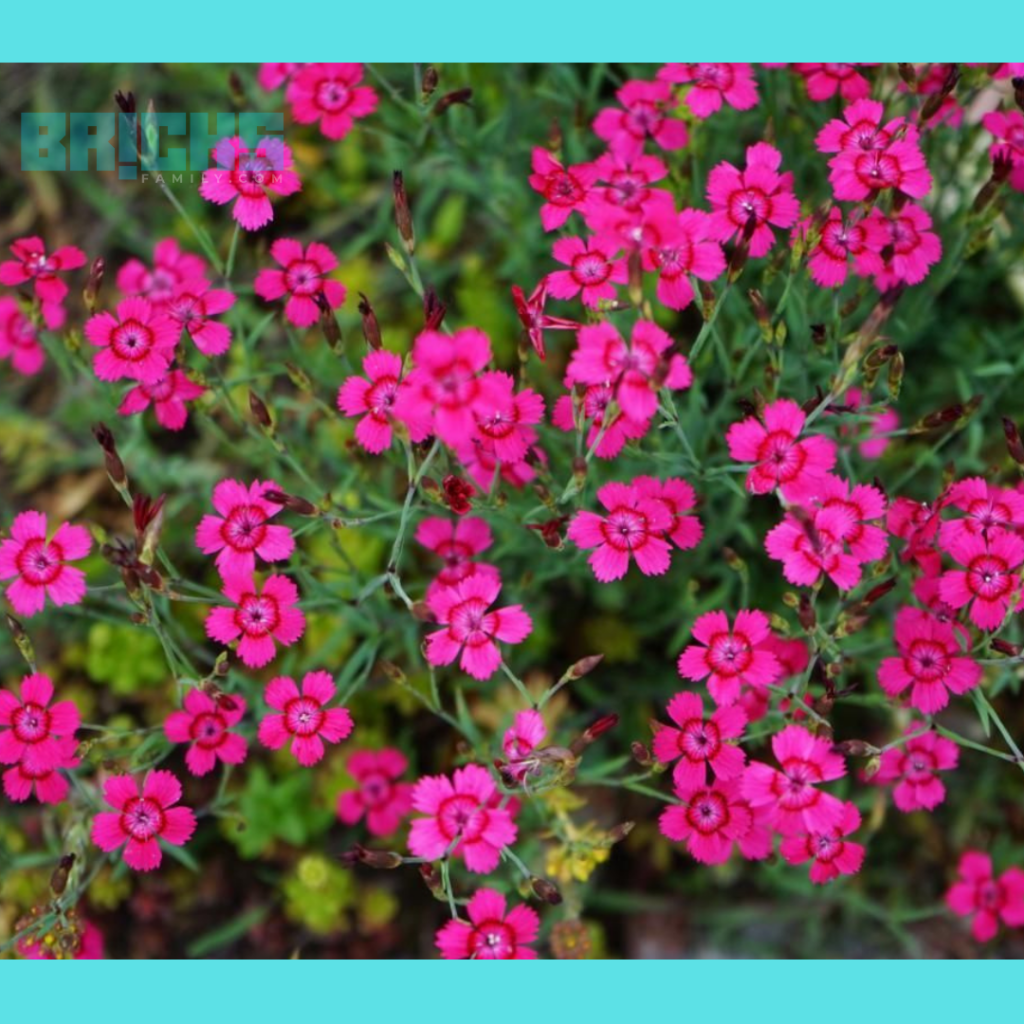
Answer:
(91, 292)
(403, 215)
(456, 493)
(115, 467)
(371, 329)
(450, 99)
(59, 878)
(434, 310)
(428, 84)
(545, 890)
(260, 412)
(329, 323)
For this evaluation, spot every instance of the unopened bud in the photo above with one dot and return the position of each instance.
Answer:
(592, 733)
(908, 74)
(762, 314)
(421, 612)
(428, 85)
(934, 102)
(114, 465)
(22, 641)
(858, 748)
(895, 378)
(806, 615)
(403, 215)
(1005, 647)
(260, 412)
(434, 310)
(292, 502)
(91, 292)
(392, 671)
(579, 469)
(371, 329)
(149, 520)
(641, 754)
(619, 832)
(585, 666)
(450, 99)
(432, 880)
(329, 326)
(382, 860)
(59, 878)
(236, 90)
(545, 890)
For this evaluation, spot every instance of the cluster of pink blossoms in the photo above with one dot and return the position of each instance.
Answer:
(330, 95)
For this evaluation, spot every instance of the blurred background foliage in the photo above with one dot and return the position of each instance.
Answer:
(265, 880)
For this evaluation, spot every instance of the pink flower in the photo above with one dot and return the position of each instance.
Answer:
(19, 339)
(31, 263)
(930, 662)
(470, 629)
(811, 543)
(824, 80)
(38, 772)
(781, 459)
(883, 422)
(910, 251)
(380, 796)
(490, 933)
(976, 892)
(526, 733)
(627, 182)
(874, 162)
(860, 129)
(634, 527)
(137, 344)
(564, 188)
(141, 820)
(372, 398)
(39, 566)
(445, 385)
(206, 725)
(747, 202)
(644, 115)
(789, 792)
(913, 768)
(303, 278)
(861, 239)
(247, 177)
(242, 531)
(90, 946)
(258, 618)
(831, 854)
(503, 417)
(709, 820)
(193, 311)
(456, 542)
(990, 511)
(713, 83)
(595, 267)
(988, 582)
(533, 318)
(167, 395)
(304, 718)
(732, 657)
(677, 496)
(697, 745)
(1008, 129)
(173, 271)
(677, 245)
(273, 76)
(32, 731)
(462, 820)
(331, 95)
(634, 370)
(596, 399)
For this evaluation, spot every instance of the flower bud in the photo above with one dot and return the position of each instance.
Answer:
(432, 880)
(260, 412)
(895, 377)
(22, 641)
(908, 74)
(428, 84)
(403, 215)
(450, 99)
(236, 90)
(619, 832)
(329, 326)
(592, 733)
(545, 890)
(91, 292)
(434, 310)
(857, 748)
(382, 860)
(149, 520)
(936, 99)
(292, 502)
(59, 878)
(371, 329)
(585, 666)
(114, 465)
(806, 615)
(641, 754)
(762, 314)
(1005, 647)
(457, 493)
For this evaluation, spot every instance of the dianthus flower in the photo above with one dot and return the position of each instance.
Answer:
(461, 820)
(711, 84)
(885, 421)
(138, 821)
(273, 76)
(372, 398)
(137, 344)
(829, 851)
(990, 511)
(678, 498)
(31, 263)
(305, 718)
(635, 370)
(564, 188)
(444, 386)
(912, 769)
(38, 772)
(797, 466)
(592, 408)
(247, 176)
(302, 279)
(680, 246)
(205, 724)
(789, 792)
(33, 731)
(379, 795)
(909, 253)
(258, 618)
(193, 310)
(503, 417)
(490, 933)
(859, 238)
(730, 657)
(709, 820)
(990, 900)
(635, 526)
(626, 182)
(526, 732)
(1008, 129)
(645, 113)
(888, 160)
(696, 743)
(19, 339)
(173, 271)
(471, 629)
(930, 662)
(990, 579)
(860, 129)
(825, 80)
(39, 567)
(456, 542)
(747, 203)
(812, 542)
(595, 267)
(84, 942)
(917, 523)
(241, 531)
(331, 95)
(533, 318)
(167, 395)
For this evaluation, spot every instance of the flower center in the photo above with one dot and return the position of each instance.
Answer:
(590, 269)
(31, 723)
(303, 277)
(461, 816)
(493, 940)
(208, 729)
(245, 528)
(142, 818)
(257, 616)
(39, 563)
(303, 716)
(131, 340)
